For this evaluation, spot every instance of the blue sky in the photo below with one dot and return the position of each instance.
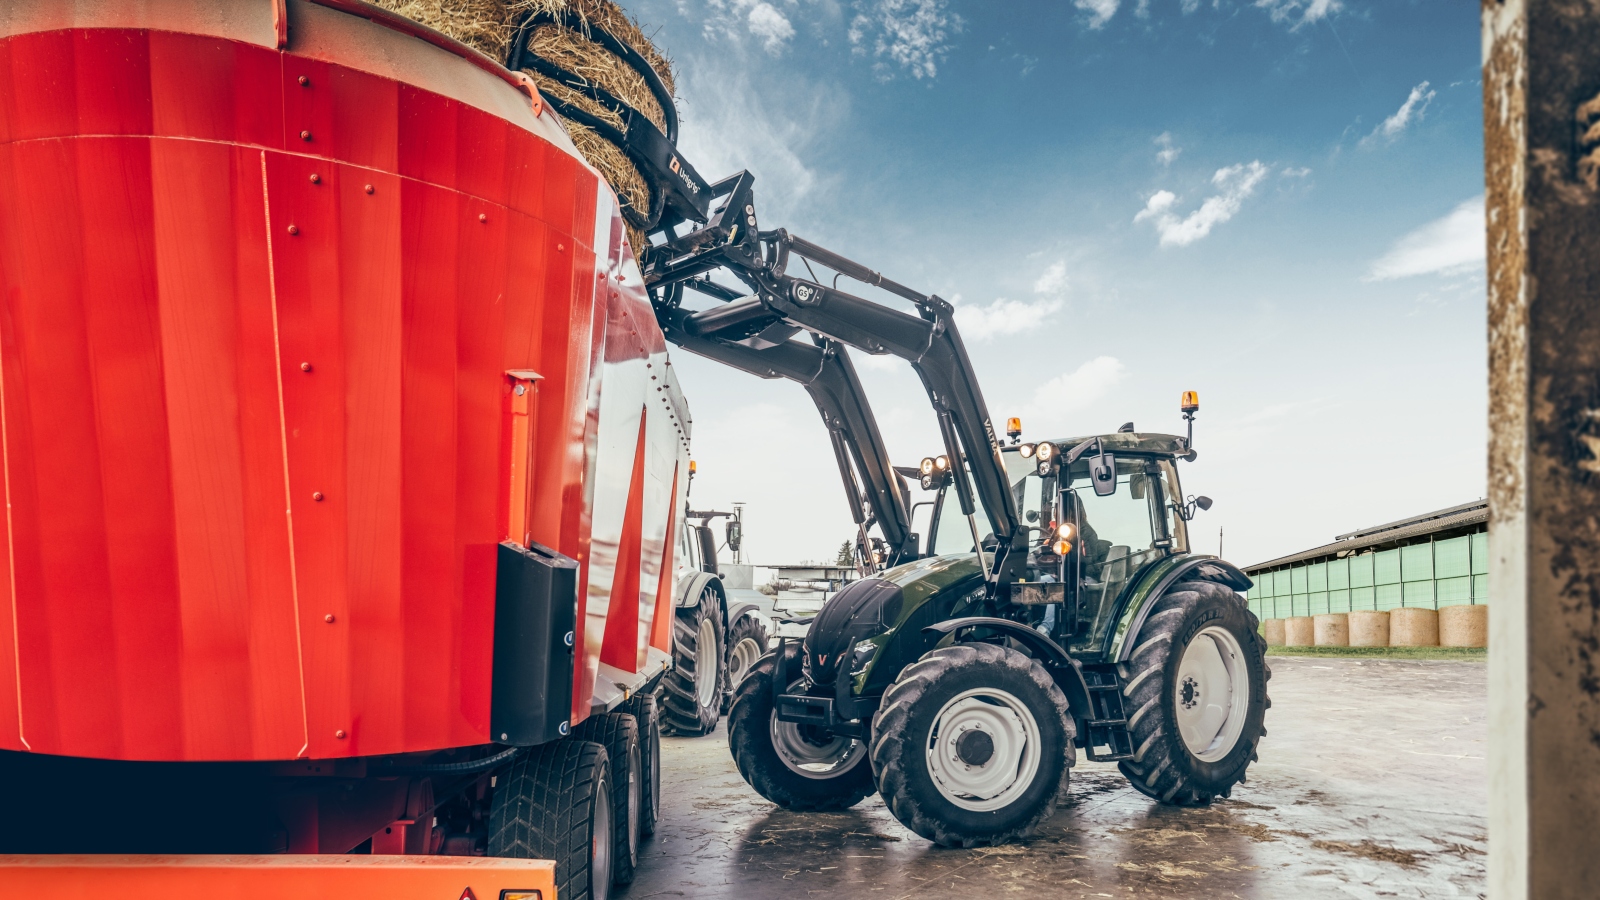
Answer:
(1274, 202)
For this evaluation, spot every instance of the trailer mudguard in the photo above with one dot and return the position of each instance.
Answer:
(1155, 582)
(535, 609)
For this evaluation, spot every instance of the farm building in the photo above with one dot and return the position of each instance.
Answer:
(1434, 560)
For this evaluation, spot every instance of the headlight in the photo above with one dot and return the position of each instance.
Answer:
(1025, 451)
(1063, 547)
(942, 463)
(862, 656)
(927, 465)
(1045, 450)
(1065, 531)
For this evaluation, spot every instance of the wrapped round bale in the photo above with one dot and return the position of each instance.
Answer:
(1332, 630)
(1464, 626)
(1299, 631)
(1272, 630)
(1369, 628)
(1413, 626)
(569, 36)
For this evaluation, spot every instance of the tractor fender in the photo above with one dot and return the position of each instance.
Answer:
(1066, 671)
(741, 610)
(692, 585)
(1194, 568)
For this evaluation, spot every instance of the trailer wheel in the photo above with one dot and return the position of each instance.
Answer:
(647, 712)
(619, 732)
(1196, 695)
(690, 695)
(555, 803)
(972, 745)
(795, 766)
(747, 642)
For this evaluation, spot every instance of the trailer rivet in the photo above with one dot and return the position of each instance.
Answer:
(369, 188)
(304, 81)
(293, 230)
(339, 734)
(504, 736)
(561, 247)
(328, 618)
(521, 389)
(305, 135)
(315, 178)
(305, 367)
(317, 496)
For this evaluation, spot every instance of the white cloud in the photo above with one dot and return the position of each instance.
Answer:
(1053, 280)
(1412, 110)
(1076, 390)
(1233, 183)
(733, 18)
(1169, 151)
(1003, 317)
(1300, 13)
(1292, 172)
(1450, 245)
(770, 25)
(1100, 11)
(912, 33)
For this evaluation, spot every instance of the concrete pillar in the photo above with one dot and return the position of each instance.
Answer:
(1541, 89)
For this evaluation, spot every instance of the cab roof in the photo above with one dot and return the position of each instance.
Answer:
(1130, 442)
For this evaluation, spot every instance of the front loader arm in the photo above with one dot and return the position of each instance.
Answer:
(824, 369)
(780, 304)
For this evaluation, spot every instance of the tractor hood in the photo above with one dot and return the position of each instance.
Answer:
(865, 609)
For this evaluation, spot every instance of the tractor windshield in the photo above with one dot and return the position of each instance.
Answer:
(1121, 526)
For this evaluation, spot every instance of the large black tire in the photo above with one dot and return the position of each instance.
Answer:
(647, 712)
(907, 728)
(755, 751)
(746, 643)
(1163, 765)
(619, 733)
(555, 803)
(690, 707)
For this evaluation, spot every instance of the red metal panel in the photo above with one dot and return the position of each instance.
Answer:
(621, 645)
(213, 89)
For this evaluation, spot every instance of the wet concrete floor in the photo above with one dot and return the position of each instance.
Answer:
(1372, 783)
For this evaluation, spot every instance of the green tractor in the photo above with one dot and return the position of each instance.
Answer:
(1049, 601)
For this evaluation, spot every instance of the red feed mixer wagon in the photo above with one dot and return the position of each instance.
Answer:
(340, 455)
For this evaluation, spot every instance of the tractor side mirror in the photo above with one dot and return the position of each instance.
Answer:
(1103, 474)
(735, 534)
(1032, 515)
(1203, 502)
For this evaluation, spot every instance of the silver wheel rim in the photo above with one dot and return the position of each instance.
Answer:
(811, 759)
(705, 664)
(1014, 741)
(745, 653)
(1212, 694)
(600, 845)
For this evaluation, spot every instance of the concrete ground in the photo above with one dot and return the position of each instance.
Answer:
(1372, 783)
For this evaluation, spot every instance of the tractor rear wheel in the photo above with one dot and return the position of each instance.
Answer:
(691, 691)
(972, 745)
(555, 803)
(647, 712)
(799, 767)
(619, 733)
(1196, 695)
(747, 642)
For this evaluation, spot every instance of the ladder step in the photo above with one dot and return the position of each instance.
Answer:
(1102, 723)
(1103, 687)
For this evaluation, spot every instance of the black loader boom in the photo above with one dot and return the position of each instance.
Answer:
(757, 332)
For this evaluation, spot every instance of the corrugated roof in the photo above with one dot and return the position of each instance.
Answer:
(1416, 526)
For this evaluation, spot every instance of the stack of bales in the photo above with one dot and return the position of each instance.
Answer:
(1448, 626)
(490, 26)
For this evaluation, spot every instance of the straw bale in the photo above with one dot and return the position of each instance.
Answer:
(1332, 630)
(484, 25)
(1299, 631)
(608, 16)
(1464, 626)
(1413, 626)
(592, 62)
(1369, 628)
(1272, 630)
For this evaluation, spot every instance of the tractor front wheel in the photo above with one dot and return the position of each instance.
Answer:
(796, 766)
(691, 692)
(1196, 695)
(972, 745)
(747, 642)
